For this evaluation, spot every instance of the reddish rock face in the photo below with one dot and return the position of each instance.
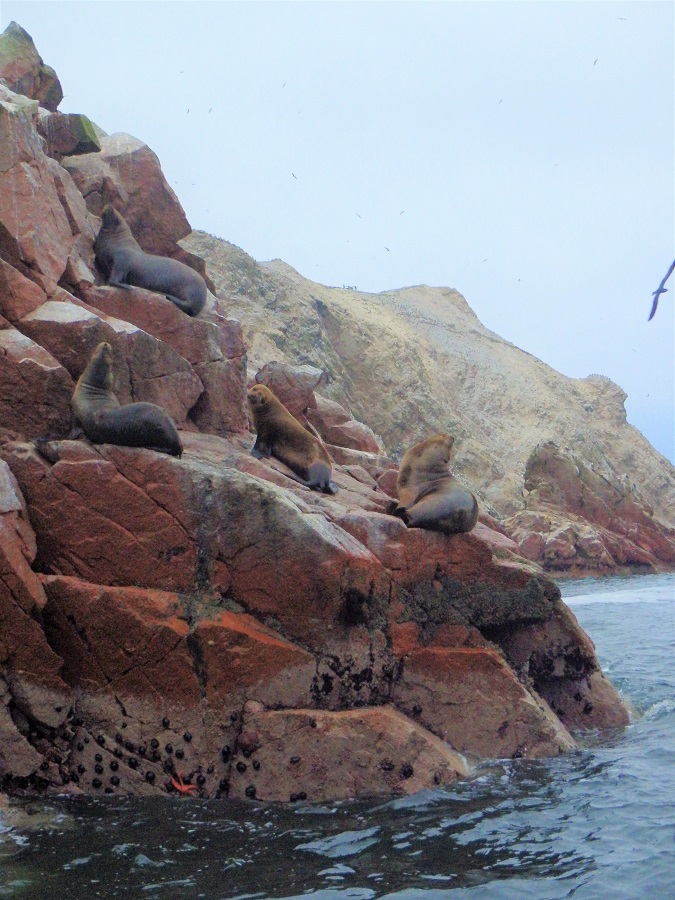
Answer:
(127, 174)
(581, 521)
(439, 683)
(31, 687)
(206, 625)
(18, 295)
(292, 385)
(22, 68)
(145, 368)
(316, 756)
(35, 390)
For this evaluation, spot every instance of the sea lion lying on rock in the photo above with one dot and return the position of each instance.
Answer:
(97, 411)
(428, 495)
(124, 263)
(279, 434)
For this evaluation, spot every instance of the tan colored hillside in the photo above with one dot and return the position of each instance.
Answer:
(416, 360)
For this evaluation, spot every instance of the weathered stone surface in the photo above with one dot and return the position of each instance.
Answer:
(415, 361)
(582, 520)
(18, 295)
(222, 408)
(128, 174)
(439, 686)
(35, 234)
(145, 368)
(67, 133)
(213, 346)
(35, 390)
(22, 68)
(317, 755)
(356, 436)
(31, 687)
(558, 657)
(240, 659)
(292, 385)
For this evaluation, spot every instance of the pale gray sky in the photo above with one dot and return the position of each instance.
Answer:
(520, 152)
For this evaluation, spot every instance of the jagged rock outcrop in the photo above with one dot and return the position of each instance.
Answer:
(207, 620)
(417, 360)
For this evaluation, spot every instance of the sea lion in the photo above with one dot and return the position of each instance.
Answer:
(429, 496)
(97, 411)
(124, 263)
(280, 434)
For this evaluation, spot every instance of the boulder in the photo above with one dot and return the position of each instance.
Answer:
(146, 369)
(35, 389)
(22, 68)
(67, 134)
(318, 756)
(128, 174)
(292, 385)
(32, 691)
(439, 686)
(212, 344)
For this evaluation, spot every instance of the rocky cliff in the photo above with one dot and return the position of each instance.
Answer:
(205, 625)
(417, 360)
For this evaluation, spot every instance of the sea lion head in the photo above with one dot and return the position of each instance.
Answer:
(261, 399)
(427, 460)
(437, 449)
(99, 372)
(113, 222)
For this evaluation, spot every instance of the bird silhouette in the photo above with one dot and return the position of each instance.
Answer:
(661, 289)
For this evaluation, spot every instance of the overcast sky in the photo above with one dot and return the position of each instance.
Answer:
(520, 152)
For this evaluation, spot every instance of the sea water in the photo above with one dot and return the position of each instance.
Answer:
(597, 823)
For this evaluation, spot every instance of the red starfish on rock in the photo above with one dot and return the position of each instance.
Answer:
(182, 788)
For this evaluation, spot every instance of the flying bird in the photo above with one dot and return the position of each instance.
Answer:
(595, 60)
(401, 213)
(660, 290)
(387, 249)
(358, 215)
(294, 175)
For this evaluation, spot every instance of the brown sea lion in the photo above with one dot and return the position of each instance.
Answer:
(429, 496)
(124, 263)
(279, 434)
(97, 411)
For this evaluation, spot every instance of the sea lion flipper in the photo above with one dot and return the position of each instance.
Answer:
(261, 449)
(183, 305)
(330, 488)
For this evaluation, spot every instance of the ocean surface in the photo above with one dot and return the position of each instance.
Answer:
(597, 823)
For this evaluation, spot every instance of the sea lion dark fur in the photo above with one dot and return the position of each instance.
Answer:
(124, 263)
(429, 496)
(97, 411)
(280, 434)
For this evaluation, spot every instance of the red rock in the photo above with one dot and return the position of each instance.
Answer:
(558, 657)
(35, 235)
(387, 482)
(128, 174)
(214, 348)
(356, 436)
(581, 521)
(30, 672)
(242, 659)
(442, 684)
(326, 414)
(22, 68)
(222, 408)
(35, 390)
(318, 756)
(145, 368)
(18, 295)
(67, 133)
(292, 385)
(376, 465)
